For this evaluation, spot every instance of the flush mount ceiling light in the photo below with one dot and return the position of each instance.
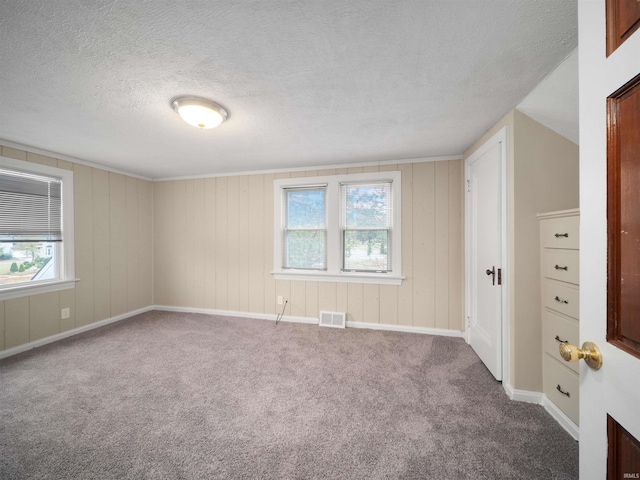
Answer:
(199, 112)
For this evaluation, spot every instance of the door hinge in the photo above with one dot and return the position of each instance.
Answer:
(499, 276)
(468, 185)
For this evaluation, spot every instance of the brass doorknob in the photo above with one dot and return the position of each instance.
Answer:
(589, 351)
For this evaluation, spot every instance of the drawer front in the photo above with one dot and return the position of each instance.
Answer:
(563, 265)
(556, 375)
(556, 328)
(561, 233)
(561, 298)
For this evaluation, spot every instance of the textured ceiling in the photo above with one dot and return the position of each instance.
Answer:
(554, 101)
(306, 83)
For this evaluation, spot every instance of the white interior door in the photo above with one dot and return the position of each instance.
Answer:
(613, 392)
(484, 249)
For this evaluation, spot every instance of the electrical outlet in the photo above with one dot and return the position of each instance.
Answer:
(280, 300)
(65, 313)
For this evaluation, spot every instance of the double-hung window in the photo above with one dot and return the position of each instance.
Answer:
(36, 228)
(343, 228)
(305, 232)
(366, 226)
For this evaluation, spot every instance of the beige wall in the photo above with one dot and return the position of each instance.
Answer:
(214, 250)
(543, 177)
(113, 256)
(546, 179)
(213, 242)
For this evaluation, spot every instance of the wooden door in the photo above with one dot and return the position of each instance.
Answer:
(623, 214)
(623, 262)
(610, 247)
(623, 19)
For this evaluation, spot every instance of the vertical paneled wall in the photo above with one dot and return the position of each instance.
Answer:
(208, 243)
(113, 256)
(213, 247)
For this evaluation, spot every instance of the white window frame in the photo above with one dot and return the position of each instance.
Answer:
(65, 252)
(285, 224)
(334, 272)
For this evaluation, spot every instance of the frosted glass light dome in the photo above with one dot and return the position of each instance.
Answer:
(199, 112)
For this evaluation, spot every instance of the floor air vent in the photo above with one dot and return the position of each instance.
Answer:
(332, 319)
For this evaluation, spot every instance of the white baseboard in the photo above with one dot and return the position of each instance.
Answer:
(69, 333)
(561, 418)
(403, 328)
(523, 395)
(310, 320)
(230, 313)
(541, 399)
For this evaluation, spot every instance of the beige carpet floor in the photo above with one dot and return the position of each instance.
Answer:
(189, 396)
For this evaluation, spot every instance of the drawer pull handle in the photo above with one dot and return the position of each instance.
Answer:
(561, 300)
(559, 388)
(565, 235)
(558, 267)
(561, 341)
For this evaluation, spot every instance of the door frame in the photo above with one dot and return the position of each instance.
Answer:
(501, 137)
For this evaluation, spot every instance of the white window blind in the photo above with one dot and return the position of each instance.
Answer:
(366, 223)
(30, 207)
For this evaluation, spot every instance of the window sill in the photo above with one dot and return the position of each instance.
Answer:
(36, 288)
(379, 279)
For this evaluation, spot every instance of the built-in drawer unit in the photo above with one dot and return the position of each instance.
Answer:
(562, 387)
(562, 265)
(560, 310)
(561, 232)
(556, 329)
